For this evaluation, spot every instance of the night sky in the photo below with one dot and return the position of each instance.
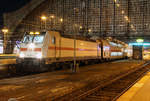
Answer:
(9, 6)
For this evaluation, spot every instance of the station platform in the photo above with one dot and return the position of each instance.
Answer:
(7, 56)
(140, 91)
(7, 59)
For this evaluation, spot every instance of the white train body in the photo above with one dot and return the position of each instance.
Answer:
(50, 47)
(64, 49)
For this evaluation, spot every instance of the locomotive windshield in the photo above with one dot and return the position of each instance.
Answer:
(28, 38)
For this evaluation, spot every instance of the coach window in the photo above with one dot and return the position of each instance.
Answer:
(53, 40)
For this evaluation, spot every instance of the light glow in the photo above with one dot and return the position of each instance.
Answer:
(39, 55)
(37, 33)
(21, 55)
(5, 30)
(81, 27)
(61, 20)
(31, 33)
(31, 46)
(126, 17)
(139, 44)
(118, 5)
(52, 16)
(43, 17)
(139, 40)
(122, 12)
(90, 30)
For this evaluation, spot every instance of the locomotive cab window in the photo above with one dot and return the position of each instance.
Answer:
(28, 38)
(53, 40)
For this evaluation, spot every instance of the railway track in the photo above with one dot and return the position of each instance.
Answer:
(110, 90)
(10, 71)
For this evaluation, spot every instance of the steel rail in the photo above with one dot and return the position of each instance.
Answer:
(71, 97)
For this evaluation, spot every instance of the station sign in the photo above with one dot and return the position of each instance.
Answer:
(140, 40)
(139, 44)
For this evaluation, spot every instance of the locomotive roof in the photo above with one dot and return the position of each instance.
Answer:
(78, 37)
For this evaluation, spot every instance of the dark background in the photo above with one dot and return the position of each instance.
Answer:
(9, 6)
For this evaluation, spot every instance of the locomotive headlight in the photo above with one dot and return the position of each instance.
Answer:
(21, 55)
(31, 46)
(39, 55)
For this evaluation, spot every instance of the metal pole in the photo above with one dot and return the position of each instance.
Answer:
(62, 24)
(128, 24)
(4, 43)
(87, 10)
(5, 31)
(74, 50)
(75, 31)
(100, 20)
(45, 25)
(114, 18)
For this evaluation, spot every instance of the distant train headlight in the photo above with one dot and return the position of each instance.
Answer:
(21, 55)
(31, 46)
(39, 55)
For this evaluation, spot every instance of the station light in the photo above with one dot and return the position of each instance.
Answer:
(122, 11)
(43, 18)
(5, 30)
(81, 27)
(61, 20)
(140, 40)
(52, 16)
(118, 5)
(139, 44)
(115, 0)
(132, 26)
(90, 30)
(126, 17)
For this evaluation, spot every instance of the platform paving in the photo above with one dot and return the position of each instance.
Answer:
(138, 92)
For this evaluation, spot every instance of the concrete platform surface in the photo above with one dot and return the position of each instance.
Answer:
(7, 56)
(50, 85)
(138, 92)
(7, 61)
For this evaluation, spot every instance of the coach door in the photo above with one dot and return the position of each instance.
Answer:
(53, 45)
(102, 50)
(56, 47)
(99, 50)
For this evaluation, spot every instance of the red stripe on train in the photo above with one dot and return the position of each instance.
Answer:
(70, 49)
(115, 50)
(37, 49)
(23, 49)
